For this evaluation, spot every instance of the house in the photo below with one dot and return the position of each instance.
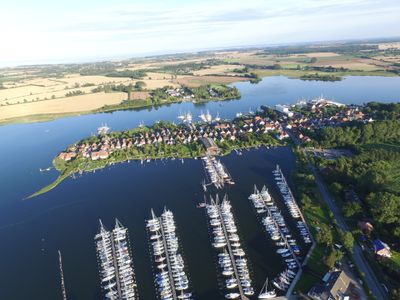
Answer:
(67, 156)
(365, 227)
(209, 145)
(335, 286)
(381, 249)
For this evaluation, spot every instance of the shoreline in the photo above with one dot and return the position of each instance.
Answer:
(290, 74)
(165, 140)
(62, 176)
(125, 105)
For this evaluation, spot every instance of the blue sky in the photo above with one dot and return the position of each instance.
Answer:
(44, 31)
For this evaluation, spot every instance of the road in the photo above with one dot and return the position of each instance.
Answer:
(370, 278)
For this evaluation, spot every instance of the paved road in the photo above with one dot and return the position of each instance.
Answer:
(370, 278)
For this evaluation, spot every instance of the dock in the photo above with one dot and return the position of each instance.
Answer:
(63, 289)
(170, 283)
(218, 207)
(116, 271)
(171, 278)
(242, 295)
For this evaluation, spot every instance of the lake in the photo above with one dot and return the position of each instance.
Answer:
(67, 217)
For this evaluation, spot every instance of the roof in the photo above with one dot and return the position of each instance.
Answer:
(379, 245)
(208, 143)
(334, 286)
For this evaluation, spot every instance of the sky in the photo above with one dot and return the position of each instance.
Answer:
(48, 31)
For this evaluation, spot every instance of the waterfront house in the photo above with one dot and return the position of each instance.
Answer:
(210, 146)
(335, 286)
(381, 249)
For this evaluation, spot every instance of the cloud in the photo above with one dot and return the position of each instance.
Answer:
(76, 29)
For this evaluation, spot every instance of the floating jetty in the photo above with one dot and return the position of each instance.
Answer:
(232, 259)
(291, 204)
(276, 228)
(170, 276)
(63, 289)
(216, 172)
(117, 275)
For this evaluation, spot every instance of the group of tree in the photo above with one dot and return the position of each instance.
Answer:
(373, 173)
(319, 77)
(133, 74)
(74, 93)
(385, 131)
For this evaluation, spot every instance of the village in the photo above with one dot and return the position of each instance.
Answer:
(306, 116)
(299, 120)
(170, 134)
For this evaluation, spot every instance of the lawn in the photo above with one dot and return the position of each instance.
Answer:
(395, 259)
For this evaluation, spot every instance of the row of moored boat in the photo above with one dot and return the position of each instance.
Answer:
(217, 172)
(170, 276)
(291, 204)
(115, 262)
(276, 228)
(231, 257)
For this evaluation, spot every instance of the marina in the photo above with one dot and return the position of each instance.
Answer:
(117, 276)
(170, 273)
(276, 228)
(232, 259)
(90, 196)
(291, 205)
(216, 172)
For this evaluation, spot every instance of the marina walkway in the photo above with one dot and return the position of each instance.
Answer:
(171, 278)
(242, 295)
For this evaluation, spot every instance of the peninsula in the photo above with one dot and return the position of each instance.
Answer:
(166, 140)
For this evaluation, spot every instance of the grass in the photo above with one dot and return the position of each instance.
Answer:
(184, 151)
(298, 73)
(395, 259)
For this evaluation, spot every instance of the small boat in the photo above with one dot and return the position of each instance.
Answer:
(265, 294)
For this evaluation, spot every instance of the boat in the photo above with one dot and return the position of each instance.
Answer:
(264, 293)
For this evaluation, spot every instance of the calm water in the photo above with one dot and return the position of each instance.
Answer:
(67, 218)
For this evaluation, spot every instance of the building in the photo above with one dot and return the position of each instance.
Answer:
(284, 109)
(209, 145)
(335, 286)
(381, 249)
(365, 227)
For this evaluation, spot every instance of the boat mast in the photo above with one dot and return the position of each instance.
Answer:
(64, 292)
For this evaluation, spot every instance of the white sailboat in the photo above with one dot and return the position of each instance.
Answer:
(264, 293)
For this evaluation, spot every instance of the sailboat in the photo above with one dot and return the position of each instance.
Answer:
(264, 293)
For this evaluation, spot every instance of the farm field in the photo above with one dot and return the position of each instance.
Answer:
(70, 89)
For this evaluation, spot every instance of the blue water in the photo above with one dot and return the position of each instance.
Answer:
(66, 218)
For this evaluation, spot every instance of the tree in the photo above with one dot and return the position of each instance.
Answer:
(140, 85)
(324, 236)
(333, 257)
(385, 207)
(347, 240)
(395, 294)
(351, 208)
(306, 201)
(313, 60)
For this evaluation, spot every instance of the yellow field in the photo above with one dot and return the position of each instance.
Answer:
(97, 80)
(385, 46)
(364, 65)
(220, 70)
(75, 104)
(195, 81)
(140, 95)
(315, 54)
(33, 95)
